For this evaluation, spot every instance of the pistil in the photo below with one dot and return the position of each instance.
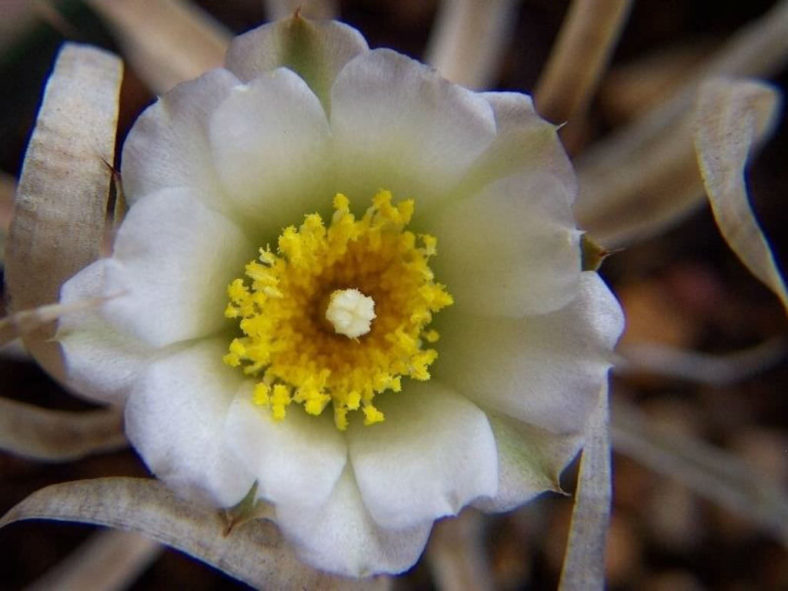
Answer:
(350, 312)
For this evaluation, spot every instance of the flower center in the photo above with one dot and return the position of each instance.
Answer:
(339, 313)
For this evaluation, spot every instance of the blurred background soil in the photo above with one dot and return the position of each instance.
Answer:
(684, 288)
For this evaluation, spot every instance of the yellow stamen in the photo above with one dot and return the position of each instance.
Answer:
(339, 313)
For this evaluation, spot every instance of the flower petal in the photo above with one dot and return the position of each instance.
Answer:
(172, 263)
(341, 537)
(175, 419)
(544, 370)
(434, 452)
(524, 143)
(510, 250)
(101, 363)
(168, 145)
(269, 141)
(399, 126)
(513, 109)
(296, 460)
(530, 462)
(314, 50)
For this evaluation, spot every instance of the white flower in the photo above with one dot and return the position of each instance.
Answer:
(338, 310)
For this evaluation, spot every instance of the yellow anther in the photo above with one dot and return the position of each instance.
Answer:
(341, 203)
(278, 400)
(353, 400)
(431, 336)
(261, 394)
(372, 415)
(430, 244)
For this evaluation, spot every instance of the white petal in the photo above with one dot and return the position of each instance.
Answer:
(342, 538)
(168, 145)
(175, 419)
(544, 370)
(524, 143)
(530, 462)
(433, 453)
(296, 460)
(101, 362)
(269, 144)
(511, 108)
(510, 250)
(401, 127)
(172, 263)
(315, 50)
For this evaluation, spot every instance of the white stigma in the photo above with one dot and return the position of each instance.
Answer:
(350, 312)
